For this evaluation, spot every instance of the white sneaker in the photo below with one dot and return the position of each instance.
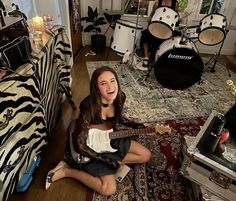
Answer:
(142, 68)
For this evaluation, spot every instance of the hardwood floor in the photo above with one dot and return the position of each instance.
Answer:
(65, 189)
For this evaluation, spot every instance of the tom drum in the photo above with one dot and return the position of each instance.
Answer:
(177, 64)
(123, 37)
(212, 29)
(163, 22)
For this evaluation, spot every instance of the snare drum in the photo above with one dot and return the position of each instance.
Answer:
(163, 22)
(212, 29)
(123, 38)
(178, 65)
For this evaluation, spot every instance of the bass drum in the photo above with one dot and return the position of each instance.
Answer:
(177, 64)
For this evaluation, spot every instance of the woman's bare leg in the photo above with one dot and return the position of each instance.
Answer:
(137, 154)
(104, 185)
(145, 50)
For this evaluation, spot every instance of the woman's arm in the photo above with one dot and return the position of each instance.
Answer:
(154, 7)
(129, 123)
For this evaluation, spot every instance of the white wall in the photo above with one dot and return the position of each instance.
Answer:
(101, 6)
(228, 48)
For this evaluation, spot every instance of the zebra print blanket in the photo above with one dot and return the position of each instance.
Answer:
(30, 101)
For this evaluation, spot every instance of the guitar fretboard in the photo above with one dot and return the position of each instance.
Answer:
(130, 132)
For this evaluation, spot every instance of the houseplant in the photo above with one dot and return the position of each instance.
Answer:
(98, 40)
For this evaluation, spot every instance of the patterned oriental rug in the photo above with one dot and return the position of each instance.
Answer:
(183, 110)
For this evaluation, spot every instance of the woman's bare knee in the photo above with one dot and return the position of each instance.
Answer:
(108, 185)
(108, 190)
(146, 155)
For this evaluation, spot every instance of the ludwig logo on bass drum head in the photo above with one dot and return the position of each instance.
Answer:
(175, 56)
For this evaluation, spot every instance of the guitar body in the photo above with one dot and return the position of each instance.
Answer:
(99, 140)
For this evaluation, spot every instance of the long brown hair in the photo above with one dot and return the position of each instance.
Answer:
(95, 95)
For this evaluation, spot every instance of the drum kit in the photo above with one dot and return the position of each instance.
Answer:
(177, 61)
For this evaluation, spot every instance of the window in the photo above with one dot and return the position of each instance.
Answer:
(206, 7)
(211, 6)
(131, 6)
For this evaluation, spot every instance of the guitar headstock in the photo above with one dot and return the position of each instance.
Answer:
(161, 129)
(231, 88)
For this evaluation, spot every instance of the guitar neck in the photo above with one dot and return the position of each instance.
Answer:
(130, 132)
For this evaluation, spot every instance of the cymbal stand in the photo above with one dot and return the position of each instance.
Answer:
(214, 59)
(135, 36)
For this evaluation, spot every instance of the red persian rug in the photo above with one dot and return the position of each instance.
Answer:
(159, 179)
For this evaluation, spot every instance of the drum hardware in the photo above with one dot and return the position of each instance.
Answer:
(214, 59)
(135, 60)
(135, 35)
(231, 27)
(184, 37)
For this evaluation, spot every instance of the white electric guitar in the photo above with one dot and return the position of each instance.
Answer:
(99, 140)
